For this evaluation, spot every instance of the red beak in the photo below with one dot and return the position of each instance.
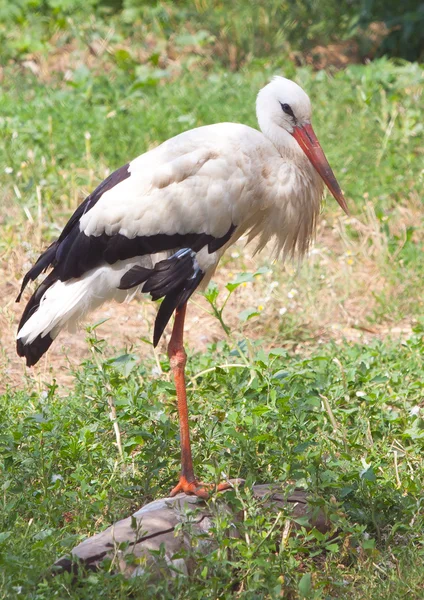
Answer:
(308, 141)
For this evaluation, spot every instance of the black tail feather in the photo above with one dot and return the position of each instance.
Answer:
(174, 279)
(35, 350)
(43, 263)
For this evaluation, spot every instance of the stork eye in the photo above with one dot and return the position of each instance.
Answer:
(287, 109)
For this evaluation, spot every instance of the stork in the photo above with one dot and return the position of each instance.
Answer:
(160, 224)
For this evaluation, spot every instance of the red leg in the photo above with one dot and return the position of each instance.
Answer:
(177, 356)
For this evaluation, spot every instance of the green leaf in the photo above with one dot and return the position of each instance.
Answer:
(239, 281)
(277, 352)
(212, 293)
(124, 364)
(260, 410)
(303, 521)
(247, 314)
(123, 58)
(305, 585)
(97, 324)
(318, 535)
(345, 491)
(368, 544)
(416, 432)
(368, 474)
(43, 534)
(245, 278)
(379, 379)
(262, 271)
(4, 535)
(282, 374)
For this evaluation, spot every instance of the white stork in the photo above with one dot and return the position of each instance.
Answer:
(161, 223)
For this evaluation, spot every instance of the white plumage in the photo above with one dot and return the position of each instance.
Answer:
(204, 180)
(200, 190)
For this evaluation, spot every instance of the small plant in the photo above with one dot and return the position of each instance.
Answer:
(212, 294)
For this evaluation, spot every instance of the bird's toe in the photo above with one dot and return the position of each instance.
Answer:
(198, 488)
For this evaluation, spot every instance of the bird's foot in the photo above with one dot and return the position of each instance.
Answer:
(199, 489)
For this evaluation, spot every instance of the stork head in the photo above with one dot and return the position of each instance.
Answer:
(282, 104)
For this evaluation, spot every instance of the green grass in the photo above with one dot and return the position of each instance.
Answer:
(62, 478)
(236, 33)
(368, 120)
(60, 473)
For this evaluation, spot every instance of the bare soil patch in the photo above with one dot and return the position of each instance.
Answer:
(331, 297)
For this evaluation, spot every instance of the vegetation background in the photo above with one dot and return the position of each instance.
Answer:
(320, 382)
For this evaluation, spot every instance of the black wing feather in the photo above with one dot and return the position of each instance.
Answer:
(74, 253)
(173, 279)
(134, 277)
(173, 301)
(110, 182)
(62, 247)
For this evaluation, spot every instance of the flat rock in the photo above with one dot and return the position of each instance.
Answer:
(153, 538)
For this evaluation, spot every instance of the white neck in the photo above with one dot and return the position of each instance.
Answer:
(281, 138)
(292, 216)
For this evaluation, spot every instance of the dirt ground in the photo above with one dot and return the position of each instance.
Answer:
(316, 313)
